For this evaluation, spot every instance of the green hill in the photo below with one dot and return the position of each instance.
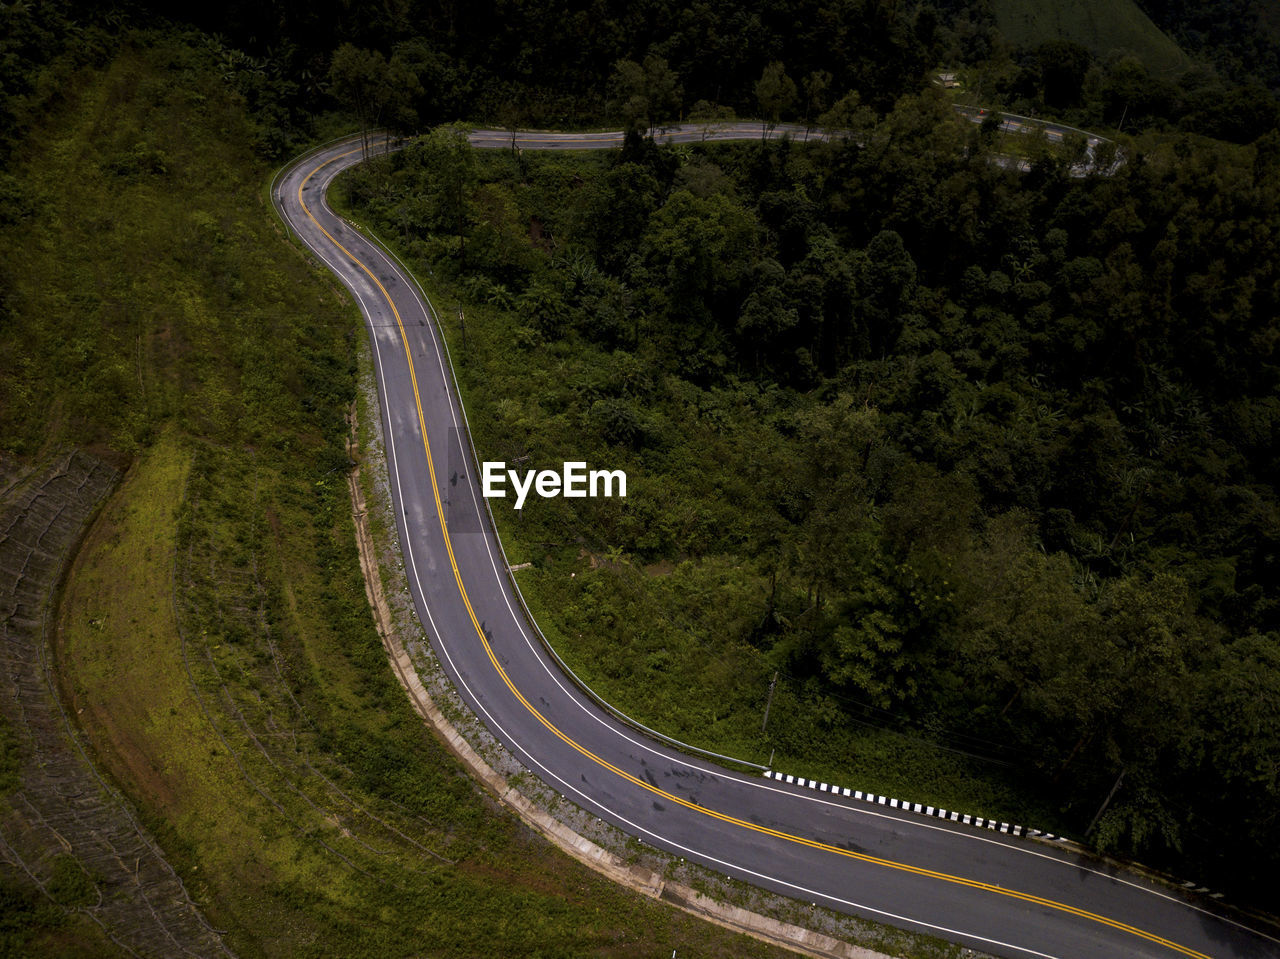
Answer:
(1099, 25)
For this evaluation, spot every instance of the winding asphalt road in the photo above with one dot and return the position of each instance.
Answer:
(995, 893)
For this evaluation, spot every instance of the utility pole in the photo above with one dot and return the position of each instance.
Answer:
(462, 322)
(1105, 803)
(769, 702)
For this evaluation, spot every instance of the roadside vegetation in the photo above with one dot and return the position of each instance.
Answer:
(214, 640)
(982, 467)
(973, 461)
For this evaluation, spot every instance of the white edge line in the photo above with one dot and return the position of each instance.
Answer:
(451, 391)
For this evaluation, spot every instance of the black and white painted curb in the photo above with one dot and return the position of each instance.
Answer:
(950, 815)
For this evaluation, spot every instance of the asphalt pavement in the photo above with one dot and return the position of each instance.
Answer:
(996, 893)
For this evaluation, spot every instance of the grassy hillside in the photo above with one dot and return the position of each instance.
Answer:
(214, 637)
(1101, 26)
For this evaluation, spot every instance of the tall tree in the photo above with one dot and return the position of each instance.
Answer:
(648, 94)
(816, 85)
(377, 90)
(448, 162)
(776, 93)
(848, 118)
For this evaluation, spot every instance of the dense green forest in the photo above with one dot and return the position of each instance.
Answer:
(993, 452)
(548, 62)
(1240, 38)
(986, 455)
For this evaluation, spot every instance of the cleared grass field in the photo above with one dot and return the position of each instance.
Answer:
(285, 841)
(1100, 26)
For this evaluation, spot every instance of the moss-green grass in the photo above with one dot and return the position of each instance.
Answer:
(214, 627)
(10, 759)
(1100, 26)
(115, 634)
(254, 858)
(31, 924)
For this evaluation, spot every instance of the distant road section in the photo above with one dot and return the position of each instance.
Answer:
(992, 892)
(1054, 133)
(489, 139)
(677, 133)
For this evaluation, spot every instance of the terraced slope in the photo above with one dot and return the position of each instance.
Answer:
(64, 827)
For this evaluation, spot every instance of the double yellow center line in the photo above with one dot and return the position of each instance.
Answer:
(669, 797)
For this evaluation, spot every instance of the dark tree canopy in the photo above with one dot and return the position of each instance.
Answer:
(994, 452)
